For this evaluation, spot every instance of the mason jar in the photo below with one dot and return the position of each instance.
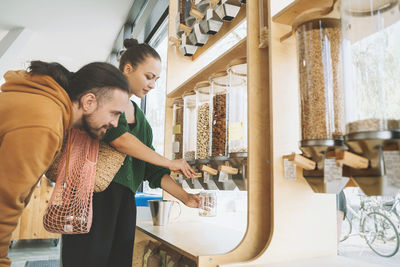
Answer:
(237, 106)
(371, 45)
(203, 120)
(218, 110)
(189, 126)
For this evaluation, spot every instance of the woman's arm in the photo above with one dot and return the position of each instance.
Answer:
(169, 185)
(132, 146)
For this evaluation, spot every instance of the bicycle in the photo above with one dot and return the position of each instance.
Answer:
(378, 231)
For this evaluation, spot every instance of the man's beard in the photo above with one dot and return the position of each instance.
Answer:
(95, 134)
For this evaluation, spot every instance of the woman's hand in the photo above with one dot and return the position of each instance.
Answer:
(181, 166)
(192, 200)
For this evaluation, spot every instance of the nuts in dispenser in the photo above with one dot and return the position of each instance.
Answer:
(219, 125)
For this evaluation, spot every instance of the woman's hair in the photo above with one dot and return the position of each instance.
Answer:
(98, 78)
(136, 53)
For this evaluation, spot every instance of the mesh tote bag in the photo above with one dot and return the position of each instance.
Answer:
(70, 206)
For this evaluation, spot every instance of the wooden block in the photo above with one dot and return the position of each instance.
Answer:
(208, 169)
(352, 160)
(301, 161)
(198, 175)
(185, 28)
(197, 14)
(228, 169)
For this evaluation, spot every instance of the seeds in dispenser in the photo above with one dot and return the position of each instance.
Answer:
(203, 131)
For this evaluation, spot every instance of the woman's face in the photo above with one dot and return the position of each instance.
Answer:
(143, 77)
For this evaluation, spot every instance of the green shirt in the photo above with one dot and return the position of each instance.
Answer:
(134, 171)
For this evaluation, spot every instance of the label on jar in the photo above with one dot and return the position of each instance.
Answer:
(332, 172)
(175, 147)
(206, 177)
(290, 169)
(223, 177)
(236, 131)
(177, 129)
(392, 167)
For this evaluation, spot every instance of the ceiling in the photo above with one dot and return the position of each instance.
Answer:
(73, 32)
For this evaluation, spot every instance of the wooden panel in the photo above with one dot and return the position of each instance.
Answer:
(239, 50)
(288, 15)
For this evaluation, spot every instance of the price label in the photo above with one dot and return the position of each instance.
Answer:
(392, 167)
(236, 131)
(332, 172)
(206, 177)
(177, 129)
(289, 169)
(175, 147)
(223, 177)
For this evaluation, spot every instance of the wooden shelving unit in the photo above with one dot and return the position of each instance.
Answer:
(219, 64)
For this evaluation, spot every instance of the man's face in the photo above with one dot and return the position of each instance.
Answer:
(105, 115)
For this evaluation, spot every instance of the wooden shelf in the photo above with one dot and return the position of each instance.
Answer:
(226, 28)
(288, 15)
(219, 64)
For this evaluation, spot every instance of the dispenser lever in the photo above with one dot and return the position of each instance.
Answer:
(228, 169)
(208, 169)
(352, 160)
(302, 161)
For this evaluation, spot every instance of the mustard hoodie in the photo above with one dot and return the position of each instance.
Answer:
(35, 114)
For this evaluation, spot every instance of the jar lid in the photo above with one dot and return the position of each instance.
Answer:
(320, 23)
(189, 93)
(238, 66)
(369, 8)
(177, 101)
(219, 78)
(202, 84)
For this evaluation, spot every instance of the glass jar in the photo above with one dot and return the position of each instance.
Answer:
(203, 120)
(237, 106)
(189, 126)
(177, 130)
(208, 205)
(371, 46)
(320, 78)
(219, 85)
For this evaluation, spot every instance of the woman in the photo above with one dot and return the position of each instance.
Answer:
(111, 238)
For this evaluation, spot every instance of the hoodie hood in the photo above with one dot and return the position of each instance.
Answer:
(21, 81)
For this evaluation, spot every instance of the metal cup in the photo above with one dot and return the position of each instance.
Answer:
(160, 211)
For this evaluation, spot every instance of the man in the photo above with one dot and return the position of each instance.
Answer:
(37, 109)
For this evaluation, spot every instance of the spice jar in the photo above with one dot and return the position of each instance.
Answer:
(177, 129)
(219, 86)
(237, 106)
(203, 120)
(189, 126)
(371, 65)
(320, 77)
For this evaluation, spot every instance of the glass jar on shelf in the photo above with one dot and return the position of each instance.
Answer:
(371, 45)
(177, 129)
(320, 79)
(237, 106)
(189, 126)
(203, 120)
(219, 85)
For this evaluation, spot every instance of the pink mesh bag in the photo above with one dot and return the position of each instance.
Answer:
(70, 207)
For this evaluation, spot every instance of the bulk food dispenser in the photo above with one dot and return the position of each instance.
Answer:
(237, 119)
(371, 47)
(177, 129)
(189, 127)
(318, 36)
